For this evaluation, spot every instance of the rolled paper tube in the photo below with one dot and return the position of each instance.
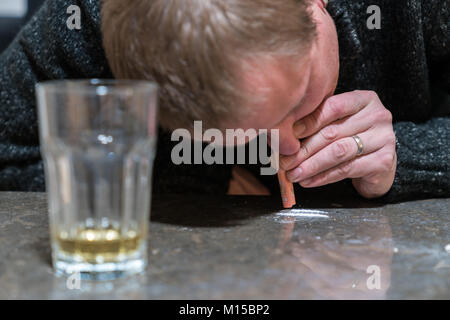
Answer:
(287, 190)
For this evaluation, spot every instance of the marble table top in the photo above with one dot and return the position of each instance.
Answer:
(203, 247)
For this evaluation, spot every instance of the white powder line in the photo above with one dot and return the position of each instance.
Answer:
(303, 213)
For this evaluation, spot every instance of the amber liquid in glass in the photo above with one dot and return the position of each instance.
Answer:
(99, 245)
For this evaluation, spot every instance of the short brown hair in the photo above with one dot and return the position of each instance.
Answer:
(192, 48)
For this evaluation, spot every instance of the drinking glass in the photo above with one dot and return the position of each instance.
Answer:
(98, 145)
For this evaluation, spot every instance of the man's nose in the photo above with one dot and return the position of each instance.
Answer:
(289, 144)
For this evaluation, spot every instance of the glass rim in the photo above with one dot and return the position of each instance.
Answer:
(92, 85)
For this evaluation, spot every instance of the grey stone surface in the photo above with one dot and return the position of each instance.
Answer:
(246, 247)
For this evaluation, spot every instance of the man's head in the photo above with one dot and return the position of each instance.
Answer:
(232, 64)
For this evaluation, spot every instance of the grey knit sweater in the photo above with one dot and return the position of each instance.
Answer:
(407, 62)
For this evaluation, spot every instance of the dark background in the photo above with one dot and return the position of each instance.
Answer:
(9, 27)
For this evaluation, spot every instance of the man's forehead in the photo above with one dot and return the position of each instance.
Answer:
(274, 84)
(262, 72)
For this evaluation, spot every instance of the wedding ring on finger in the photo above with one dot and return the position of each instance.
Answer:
(360, 145)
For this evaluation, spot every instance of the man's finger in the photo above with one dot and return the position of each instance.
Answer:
(358, 167)
(360, 122)
(335, 154)
(334, 108)
(347, 127)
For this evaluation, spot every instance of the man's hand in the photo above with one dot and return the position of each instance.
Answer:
(329, 152)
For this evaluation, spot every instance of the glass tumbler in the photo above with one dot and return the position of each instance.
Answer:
(98, 145)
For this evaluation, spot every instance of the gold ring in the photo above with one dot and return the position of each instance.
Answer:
(359, 144)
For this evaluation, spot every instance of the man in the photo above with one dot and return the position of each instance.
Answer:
(291, 65)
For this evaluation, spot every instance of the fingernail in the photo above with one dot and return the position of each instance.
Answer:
(295, 175)
(299, 128)
(284, 163)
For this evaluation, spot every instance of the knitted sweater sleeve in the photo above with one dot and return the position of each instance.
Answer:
(423, 149)
(44, 49)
